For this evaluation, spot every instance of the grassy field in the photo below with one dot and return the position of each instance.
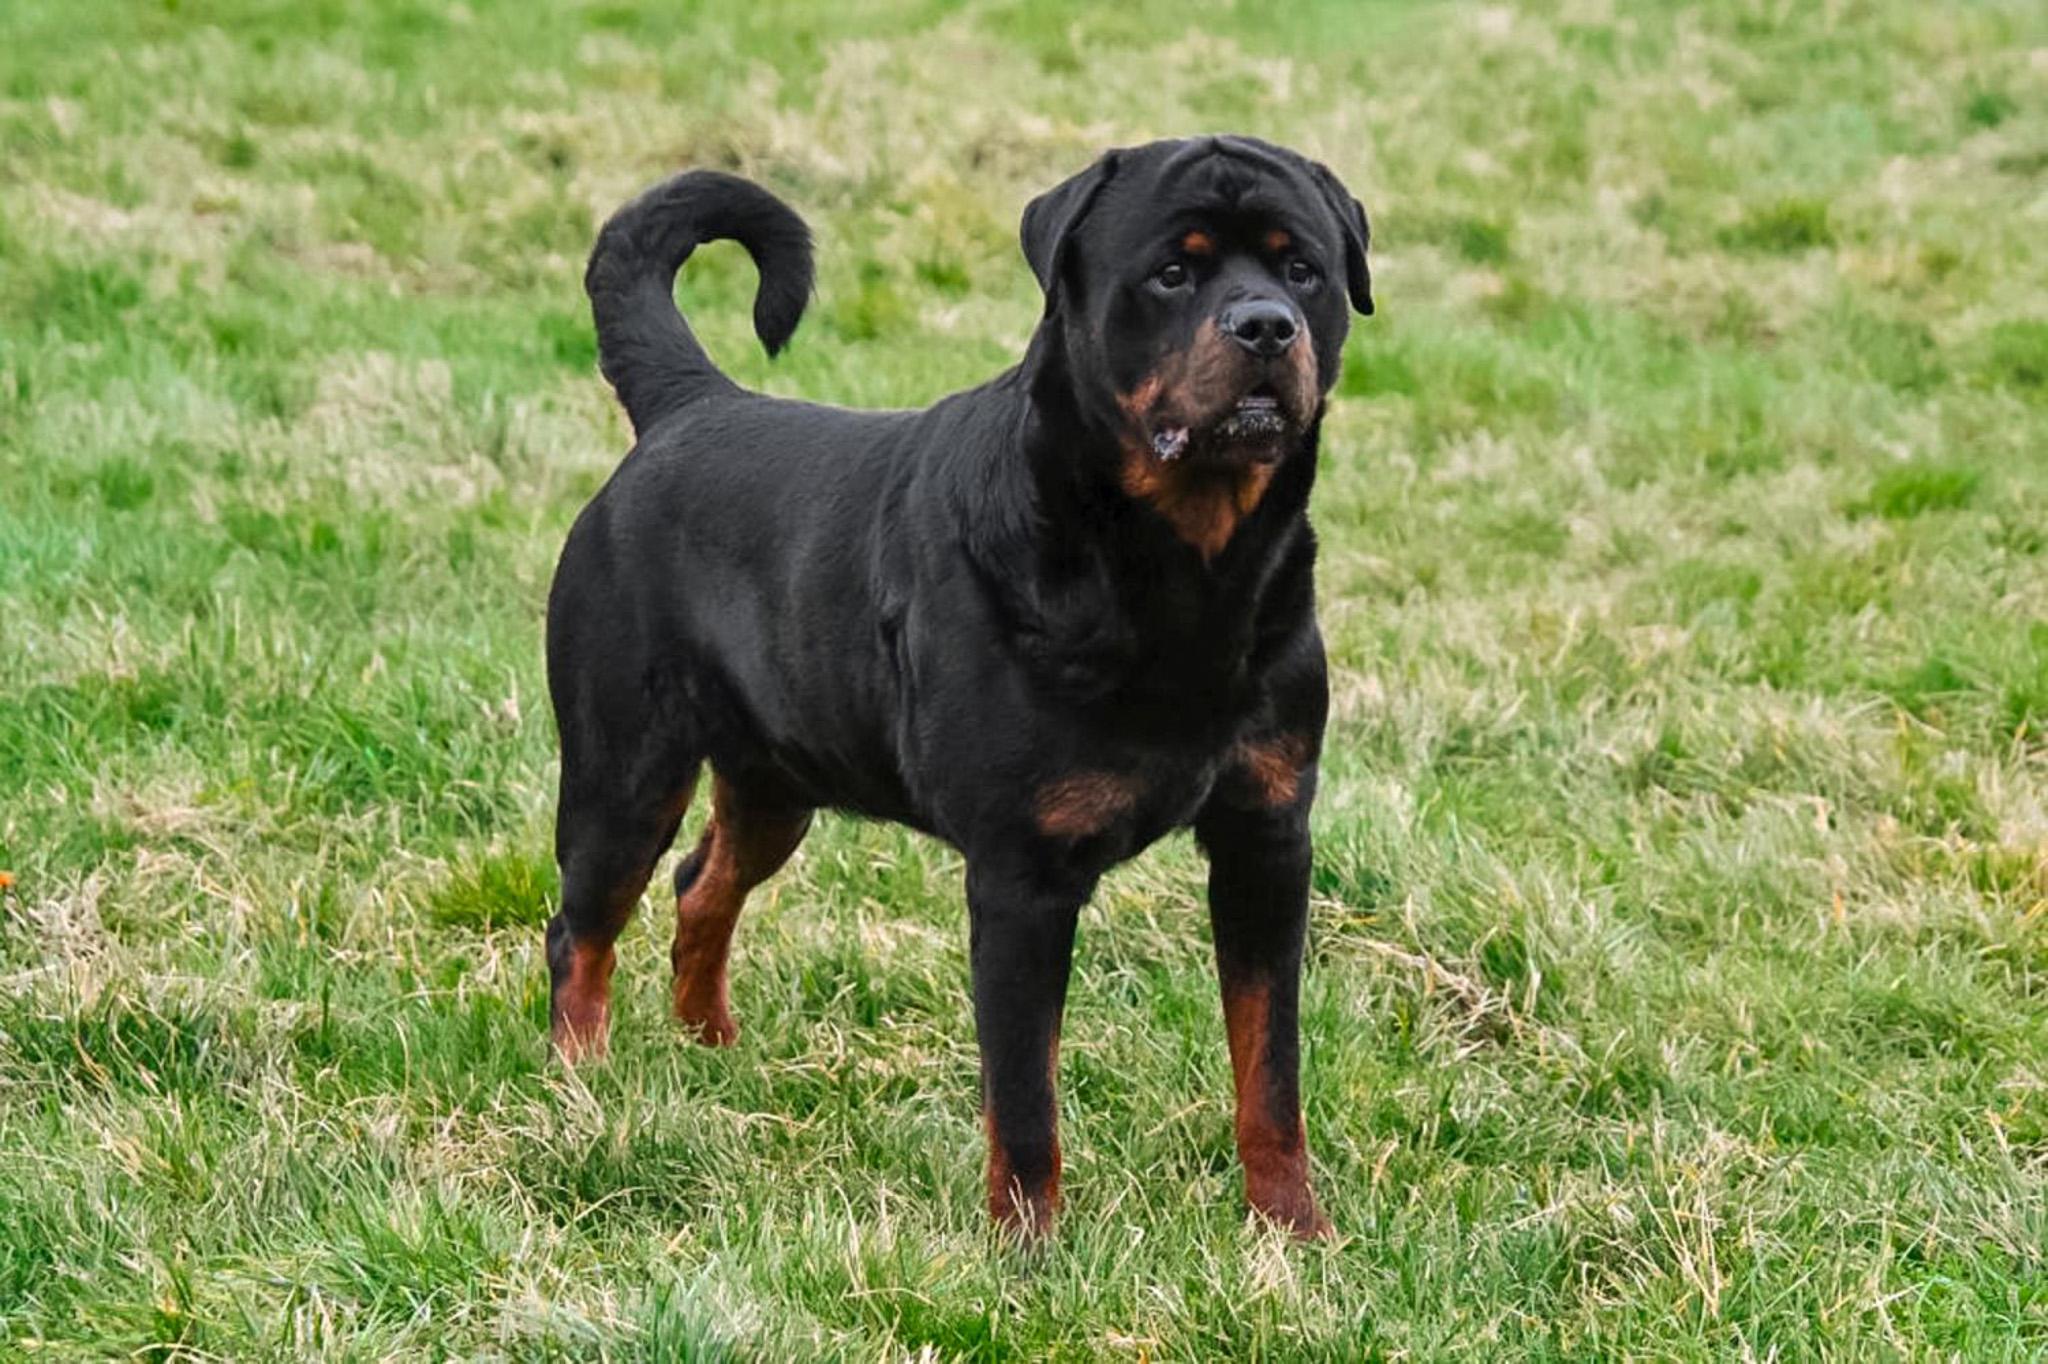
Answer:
(1679, 985)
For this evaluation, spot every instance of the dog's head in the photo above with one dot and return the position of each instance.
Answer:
(1197, 293)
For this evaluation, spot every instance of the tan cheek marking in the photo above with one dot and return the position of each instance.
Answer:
(1212, 362)
(1275, 766)
(1139, 400)
(1084, 804)
(1305, 359)
(1198, 244)
(1278, 241)
(1301, 377)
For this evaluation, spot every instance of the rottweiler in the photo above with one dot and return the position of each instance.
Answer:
(1047, 620)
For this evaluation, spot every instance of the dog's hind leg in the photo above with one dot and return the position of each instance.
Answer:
(609, 833)
(747, 839)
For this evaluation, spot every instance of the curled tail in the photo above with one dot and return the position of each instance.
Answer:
(643, 344)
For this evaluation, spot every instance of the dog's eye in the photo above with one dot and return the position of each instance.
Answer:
(1300, 271)
(1171, 275)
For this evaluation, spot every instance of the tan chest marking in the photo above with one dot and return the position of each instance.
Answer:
(1084, 804)
(1203, 508)
(1273, 768)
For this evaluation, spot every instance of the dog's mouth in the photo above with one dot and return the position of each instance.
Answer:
(1257, 416)
(1251, 428)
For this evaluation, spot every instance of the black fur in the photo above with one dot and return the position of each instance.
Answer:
(644, 345)
(1009, 619)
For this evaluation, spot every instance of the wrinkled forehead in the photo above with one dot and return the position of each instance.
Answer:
(1212, 183)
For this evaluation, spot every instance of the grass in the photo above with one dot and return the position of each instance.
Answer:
(1680, 973)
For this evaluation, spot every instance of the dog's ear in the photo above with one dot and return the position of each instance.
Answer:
(1357, 236)
(1050, 220)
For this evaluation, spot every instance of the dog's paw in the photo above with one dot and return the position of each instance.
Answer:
(1295, 1211)
(577, 1040)
(1023, 1219)
(712, 1027)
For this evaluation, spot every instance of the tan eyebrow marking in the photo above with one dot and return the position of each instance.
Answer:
(1198, 244)
(1278, 241)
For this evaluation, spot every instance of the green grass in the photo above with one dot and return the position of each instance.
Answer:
(1680, 973)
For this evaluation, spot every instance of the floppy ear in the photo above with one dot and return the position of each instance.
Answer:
(1357, 236)
(1050, 219)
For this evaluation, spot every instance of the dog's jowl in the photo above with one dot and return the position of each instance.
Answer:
(1047, 620)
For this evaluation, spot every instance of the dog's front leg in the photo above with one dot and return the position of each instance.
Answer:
(1258, 910)
(1022, 938)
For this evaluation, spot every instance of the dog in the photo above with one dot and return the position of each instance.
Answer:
(1047, 620)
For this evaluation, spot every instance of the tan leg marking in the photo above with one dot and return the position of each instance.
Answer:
(1275, 1158)
(1029, 1213)
(740, 848)
(583, 1006)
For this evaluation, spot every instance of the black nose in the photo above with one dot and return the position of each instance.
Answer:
(1261, 325)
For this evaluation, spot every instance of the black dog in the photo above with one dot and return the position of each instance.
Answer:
(1047, 620)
